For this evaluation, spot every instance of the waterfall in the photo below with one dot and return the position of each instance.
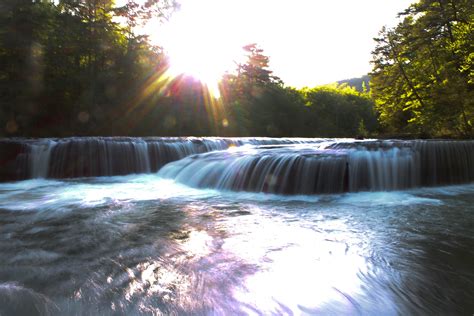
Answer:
(338, 167)
(274, 170)
(405, 164)
(40, 156)
(108, 156)
(383, 169)
(276, 165)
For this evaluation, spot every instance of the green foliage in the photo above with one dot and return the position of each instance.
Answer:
(260, 105)
(338, 110)
(422, 80)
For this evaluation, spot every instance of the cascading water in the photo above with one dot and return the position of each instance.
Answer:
(283, 166)
(383, 169)
(278, 170)
(108, 156)
(40, 156)
(99, 156)
(406, 164)
(308, 169)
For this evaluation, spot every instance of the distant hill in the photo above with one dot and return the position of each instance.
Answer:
(357, 83)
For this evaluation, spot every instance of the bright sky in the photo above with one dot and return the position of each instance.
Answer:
(309, 42)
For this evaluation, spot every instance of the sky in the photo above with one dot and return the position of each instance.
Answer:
(309, 42)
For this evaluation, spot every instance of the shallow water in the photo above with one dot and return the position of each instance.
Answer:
(140, 244)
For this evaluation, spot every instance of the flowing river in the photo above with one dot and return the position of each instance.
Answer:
(152, 244)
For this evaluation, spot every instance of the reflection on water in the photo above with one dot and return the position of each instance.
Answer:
(143, 245)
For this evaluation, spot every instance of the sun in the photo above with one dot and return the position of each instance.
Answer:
(199, 58)
(202, 41)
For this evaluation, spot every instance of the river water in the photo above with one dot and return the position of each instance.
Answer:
(140, 244)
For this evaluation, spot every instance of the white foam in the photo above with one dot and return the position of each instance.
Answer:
(391, 198)
(41, 194)
(59, 195)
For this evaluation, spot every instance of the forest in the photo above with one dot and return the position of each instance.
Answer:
(80, 68)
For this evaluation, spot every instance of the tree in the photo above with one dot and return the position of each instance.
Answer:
(249, 93)
(422, 75)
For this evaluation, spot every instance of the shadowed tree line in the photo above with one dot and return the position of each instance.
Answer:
(68, 67)
(78, 67)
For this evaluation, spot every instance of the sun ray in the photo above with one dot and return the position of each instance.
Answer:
(202, 43)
